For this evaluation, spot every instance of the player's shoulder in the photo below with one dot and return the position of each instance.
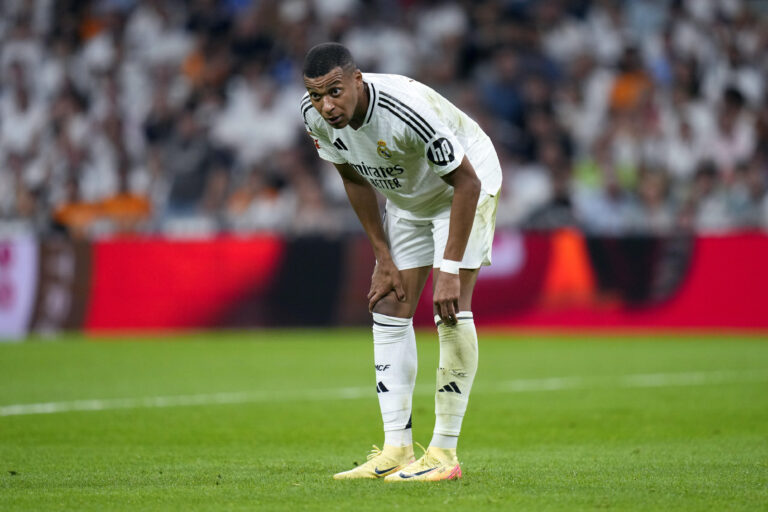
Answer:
(402, 100)
(308, 113)
(305, 104)
(397, 86)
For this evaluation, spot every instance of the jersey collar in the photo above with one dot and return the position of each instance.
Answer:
(373, 96)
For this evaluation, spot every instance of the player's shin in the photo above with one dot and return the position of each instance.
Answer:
(455, 374)
(394, 347)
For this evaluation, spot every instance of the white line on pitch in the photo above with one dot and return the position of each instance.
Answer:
(649, 380)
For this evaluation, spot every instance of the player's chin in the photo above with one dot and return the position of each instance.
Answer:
(337, 122)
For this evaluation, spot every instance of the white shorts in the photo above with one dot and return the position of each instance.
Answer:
(420, 243)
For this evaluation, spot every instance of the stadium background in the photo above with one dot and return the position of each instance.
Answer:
(159, 202)
(155, 173)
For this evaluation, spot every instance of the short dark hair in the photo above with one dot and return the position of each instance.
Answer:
(324, 57)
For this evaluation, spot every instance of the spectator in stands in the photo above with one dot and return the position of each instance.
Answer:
(557, 210)
(188, 159)
(73, 215)
(706, 207)
(126, 211)
(650, 210)
(620, 86)
(260, 203)
(747, 199)
(733, 139)
(312, 213)
(682, 152)
(632, 84)
(500, 89)
(23, 120)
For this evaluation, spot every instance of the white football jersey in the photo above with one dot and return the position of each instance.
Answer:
(411, 136)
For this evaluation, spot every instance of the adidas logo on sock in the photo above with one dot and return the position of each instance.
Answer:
(450, 388)
(381, 388)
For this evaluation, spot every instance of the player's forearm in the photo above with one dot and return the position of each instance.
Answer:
(364, 202)
(466, 192)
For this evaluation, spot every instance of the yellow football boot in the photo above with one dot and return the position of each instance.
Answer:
(436, 464)
(380, 463)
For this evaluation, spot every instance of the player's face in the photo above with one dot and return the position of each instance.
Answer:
(336, 95)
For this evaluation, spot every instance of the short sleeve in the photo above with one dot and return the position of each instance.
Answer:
(317, 132)
(444, 153)
(429, 135)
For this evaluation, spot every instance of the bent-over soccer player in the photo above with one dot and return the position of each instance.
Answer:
(441, 177)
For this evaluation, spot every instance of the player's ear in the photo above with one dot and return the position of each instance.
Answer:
(358, 76)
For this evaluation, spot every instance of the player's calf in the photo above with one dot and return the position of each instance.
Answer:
(395, 362)
(455, 375)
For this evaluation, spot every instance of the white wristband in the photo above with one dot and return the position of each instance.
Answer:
(450, 266)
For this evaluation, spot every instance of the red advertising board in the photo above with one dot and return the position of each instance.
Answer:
(725, 285)
(158, 283)
(555, 279)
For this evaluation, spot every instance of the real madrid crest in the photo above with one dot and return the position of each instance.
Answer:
(383, 150)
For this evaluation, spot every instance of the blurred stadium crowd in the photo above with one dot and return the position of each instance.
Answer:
(178, 117)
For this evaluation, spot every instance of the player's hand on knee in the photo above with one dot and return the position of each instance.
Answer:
(385, 279)
(446, 297)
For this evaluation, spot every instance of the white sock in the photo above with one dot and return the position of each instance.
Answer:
(402, 437)
(455, 374)
(394, 351)
(445, 442)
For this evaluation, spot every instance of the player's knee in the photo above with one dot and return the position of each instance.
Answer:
(390, 306)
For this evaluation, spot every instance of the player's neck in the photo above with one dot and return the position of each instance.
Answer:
(362, 108)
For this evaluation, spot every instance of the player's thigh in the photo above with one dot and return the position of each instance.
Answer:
(480, 242)
(479, 245)
(413, 280)
(411, 242)
(412, 249)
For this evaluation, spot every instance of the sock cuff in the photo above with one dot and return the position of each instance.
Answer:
(391, 321)
(462, 315)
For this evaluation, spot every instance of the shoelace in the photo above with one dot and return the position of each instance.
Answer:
(426, 461)
(423, 450)
(376, 451)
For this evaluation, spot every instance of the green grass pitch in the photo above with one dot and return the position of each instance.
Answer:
(261, 420)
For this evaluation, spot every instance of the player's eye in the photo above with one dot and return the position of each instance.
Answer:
(314, 96)
(335, 91)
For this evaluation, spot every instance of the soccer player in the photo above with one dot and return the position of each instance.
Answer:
(440, 175)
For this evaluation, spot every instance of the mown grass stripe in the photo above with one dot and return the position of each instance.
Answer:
(513, 386)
